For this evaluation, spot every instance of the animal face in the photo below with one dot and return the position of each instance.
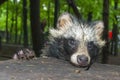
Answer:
(76, 41)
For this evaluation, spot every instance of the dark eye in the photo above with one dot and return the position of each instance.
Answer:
(71, 42)
(70, 45)
(90, 45)
(93, 49)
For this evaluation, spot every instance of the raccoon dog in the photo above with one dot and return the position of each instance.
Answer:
(75, 41)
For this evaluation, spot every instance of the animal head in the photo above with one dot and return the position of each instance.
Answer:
(81, 41)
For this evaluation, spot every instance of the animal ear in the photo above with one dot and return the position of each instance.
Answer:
(99, 27)
(65, 20)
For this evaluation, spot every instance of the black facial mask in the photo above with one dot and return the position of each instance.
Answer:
(70, 45)
(93, 51)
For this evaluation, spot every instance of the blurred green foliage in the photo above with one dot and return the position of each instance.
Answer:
(47, 11)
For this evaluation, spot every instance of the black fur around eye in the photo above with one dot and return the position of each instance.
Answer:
(93, 50)
(90, 45)
(70, 45)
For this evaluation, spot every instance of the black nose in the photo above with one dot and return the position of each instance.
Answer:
(82, 60)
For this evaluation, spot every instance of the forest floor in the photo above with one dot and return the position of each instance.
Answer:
(55, 69)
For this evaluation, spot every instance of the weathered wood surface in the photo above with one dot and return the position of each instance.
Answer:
(54, 69)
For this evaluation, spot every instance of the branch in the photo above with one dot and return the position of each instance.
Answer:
(74, 7)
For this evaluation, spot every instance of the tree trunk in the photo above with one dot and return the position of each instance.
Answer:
(12, 26)
(25, 30)
(115, 31)
(105, 51)
(16, 21)
(48, 13)
(7, 34)
(37, 38)
(16, 28)
(56, 12)
(20, 39)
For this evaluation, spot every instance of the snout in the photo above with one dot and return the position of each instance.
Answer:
(82, 60)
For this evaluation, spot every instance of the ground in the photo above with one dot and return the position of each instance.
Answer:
(55, 69)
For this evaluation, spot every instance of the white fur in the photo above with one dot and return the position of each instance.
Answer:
(73, 58)
(80, 32)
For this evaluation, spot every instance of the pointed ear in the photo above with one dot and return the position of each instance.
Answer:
(63, 23)
(65, 20)
(99, 27)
